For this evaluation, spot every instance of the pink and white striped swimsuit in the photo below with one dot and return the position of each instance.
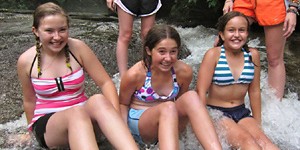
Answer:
(57, 94)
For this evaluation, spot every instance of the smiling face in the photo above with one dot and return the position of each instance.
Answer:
(164, 54)
(165, 40)
(53, 32)
(235, 33)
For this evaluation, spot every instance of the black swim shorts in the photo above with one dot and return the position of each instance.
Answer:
(39, 128)
(235, 113)
(139, 7)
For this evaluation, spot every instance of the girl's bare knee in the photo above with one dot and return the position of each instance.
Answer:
(99, 100)
(190, 96)
(191, 100)
(126, 37)
(78, 115)
(168, 110)
(98, 103)
(191, 93)
(264, 142)
(247, 141)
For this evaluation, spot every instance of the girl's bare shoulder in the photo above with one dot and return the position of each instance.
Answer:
(183, 70)
(255, 55)
(27, 57)
(76, 45)
(136, 74)
(213, 52)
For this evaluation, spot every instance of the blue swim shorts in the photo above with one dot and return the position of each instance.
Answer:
(133, 123)
(140, 8)
(235, 113)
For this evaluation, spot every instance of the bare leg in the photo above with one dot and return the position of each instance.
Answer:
(253, 128)
(238, 136)
(189, 106)
(71, 127)
(161, 122)
(125, 33)
(275, 43)
(147, 23)
(110, 123)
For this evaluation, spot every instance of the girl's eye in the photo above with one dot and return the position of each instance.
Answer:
(162, 51)
(48, 30)
(63, 30)
(174, 51)
(231, 30)
(242, 30)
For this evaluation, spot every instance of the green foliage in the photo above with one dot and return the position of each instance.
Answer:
(192, 1)
(212, 3)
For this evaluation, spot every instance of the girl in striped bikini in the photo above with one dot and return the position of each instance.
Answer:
(228, 72)
(51, 73)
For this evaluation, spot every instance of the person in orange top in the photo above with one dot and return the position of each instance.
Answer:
(279, 23)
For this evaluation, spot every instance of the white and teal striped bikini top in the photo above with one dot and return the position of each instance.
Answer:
(223, 75)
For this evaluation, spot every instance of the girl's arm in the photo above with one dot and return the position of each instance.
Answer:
(127, 88)
(184, 76)
(29, 97)
(291, 17)
(254, 88)
(206, 71)
(96, 71)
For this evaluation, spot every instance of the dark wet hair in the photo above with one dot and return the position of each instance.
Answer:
(154, 36)
(41, 12)
(222, 22)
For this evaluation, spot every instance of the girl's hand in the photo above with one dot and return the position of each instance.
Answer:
(289, 24)
(110, 4)
(20, 139)
(228, 5)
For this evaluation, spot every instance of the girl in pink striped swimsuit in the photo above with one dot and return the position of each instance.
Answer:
(58, 112)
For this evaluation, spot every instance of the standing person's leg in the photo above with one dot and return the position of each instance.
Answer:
(110, 122)
(275, 43)
(146, 24)
(125, 33)
(190, 108)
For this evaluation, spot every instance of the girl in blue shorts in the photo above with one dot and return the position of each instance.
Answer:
(155, 98)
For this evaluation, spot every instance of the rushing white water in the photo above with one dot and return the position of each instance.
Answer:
(280, 119)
